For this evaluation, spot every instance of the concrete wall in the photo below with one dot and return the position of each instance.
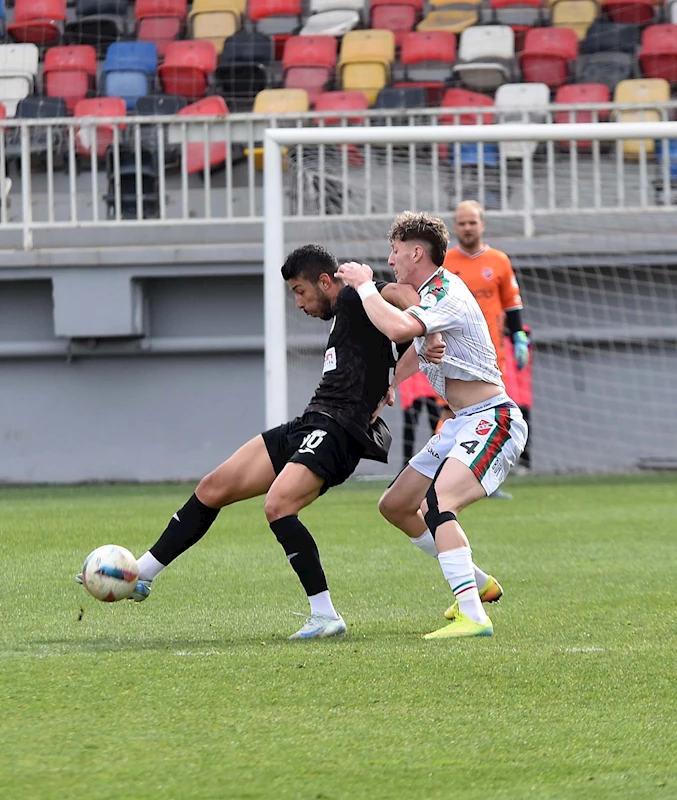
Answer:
(147, 363)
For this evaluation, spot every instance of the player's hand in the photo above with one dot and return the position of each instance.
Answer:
(434, 348)
(388, 400)
(355, 274)
(520, 349)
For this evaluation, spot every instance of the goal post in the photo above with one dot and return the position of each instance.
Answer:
(593, 314)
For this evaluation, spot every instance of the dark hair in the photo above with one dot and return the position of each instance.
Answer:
(309, 262)
(423, 227)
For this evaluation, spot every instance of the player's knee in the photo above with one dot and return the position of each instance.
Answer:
(214, 491)
(390, 507)
(276, 506)
(436, 512)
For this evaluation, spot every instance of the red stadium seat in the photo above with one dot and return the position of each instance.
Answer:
(398, 16)
(428, 58)
(350, 100)
(658, 54)
(70, 72)
(187, 67)
(38, 21)
(308, 63)
(160, 21)
(547, 54)
(97, 107)
(634, 12)
(195, 151)
(464, 98)
(582, 93)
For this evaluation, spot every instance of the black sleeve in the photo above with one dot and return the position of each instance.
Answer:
(380, 285)
(513, 321)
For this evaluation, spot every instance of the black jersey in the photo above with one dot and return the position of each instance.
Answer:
(357, 365)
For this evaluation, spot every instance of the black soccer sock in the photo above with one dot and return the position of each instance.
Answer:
(185, 529)
(302, 553)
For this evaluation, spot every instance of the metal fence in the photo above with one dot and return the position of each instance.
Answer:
(83, 173)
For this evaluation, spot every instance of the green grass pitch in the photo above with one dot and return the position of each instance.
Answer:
(196, 693)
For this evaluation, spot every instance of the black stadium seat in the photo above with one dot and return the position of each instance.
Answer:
(607, 68)
(615, 37)
(242, 71)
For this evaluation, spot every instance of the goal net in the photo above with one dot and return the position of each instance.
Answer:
(599, 282)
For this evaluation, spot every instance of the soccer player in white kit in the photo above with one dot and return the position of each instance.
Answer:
(473, 453)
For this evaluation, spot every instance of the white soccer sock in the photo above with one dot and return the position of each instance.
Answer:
(457, 568)
(321, 604)
(426, 543)
(481, 578)
(149, 567)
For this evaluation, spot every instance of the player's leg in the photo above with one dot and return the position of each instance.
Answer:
(433, 413)
(325, 456)
(401, 502)
(247, 473)
(409, 429)
(485, 451)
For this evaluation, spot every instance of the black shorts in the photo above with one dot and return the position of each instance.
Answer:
(318, 442)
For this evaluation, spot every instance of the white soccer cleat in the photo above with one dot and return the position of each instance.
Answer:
(320, 627)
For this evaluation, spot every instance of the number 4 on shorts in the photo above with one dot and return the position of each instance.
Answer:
(470, 447)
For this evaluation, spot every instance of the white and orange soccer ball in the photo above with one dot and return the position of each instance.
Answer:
(110, 573)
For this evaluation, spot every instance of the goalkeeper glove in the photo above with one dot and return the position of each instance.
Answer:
(520, 348)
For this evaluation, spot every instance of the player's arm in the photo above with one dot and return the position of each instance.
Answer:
(397, 325)
(399, 295)
(511, 302)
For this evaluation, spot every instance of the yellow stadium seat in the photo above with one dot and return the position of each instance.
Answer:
(575, 14)
(216, 20)
(278, 101)
(452, 17)
(641, 90)
(365, 61)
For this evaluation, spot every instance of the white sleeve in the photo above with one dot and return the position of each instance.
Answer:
(437, 312)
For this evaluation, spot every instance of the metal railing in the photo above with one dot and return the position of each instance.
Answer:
(167, 171)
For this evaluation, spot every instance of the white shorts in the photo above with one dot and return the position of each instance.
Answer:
(488, 441)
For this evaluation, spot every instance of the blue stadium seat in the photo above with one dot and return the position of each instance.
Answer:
(470, 155)
(2, 17)
(671, 156)
(129, 71)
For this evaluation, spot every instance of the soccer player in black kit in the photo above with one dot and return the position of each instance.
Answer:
(298, 461)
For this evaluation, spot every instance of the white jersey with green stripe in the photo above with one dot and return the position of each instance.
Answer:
(448, 307)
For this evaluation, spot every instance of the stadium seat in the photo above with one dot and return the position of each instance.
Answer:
(242, 71)
(37, 21)
(275, 17)
(159, 105)
(70, 72)
(520, 15)
(2, 22)
(215, 20)
(452, 17)
(392, 98)
(342, 101)
(35, 107)
(365, 61)
(610, 37)
(129, 70)
(658, 56)
(635, 12)
(195, 151)
(644, 91)
(160, 21)
(671, 12)
(187, 68)
(670, 157)
(548, 54)
(607, 68)
(18, 73)
(578, 15)
(426, 61)
(486, 57)
(127, 181)
(97, 23)
(97, 107)
(581, 93)
(332, 17)
(463, 98)
(533, 98)
(308, 62)
(398, 16)
(281, 101)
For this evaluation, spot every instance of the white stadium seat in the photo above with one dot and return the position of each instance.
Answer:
(486, 57)
(531, 97)
(18, 70)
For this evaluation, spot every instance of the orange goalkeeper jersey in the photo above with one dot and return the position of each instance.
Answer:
(489, 276)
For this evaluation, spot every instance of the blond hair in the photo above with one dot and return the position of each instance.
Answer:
(431, 231)
(469, 204)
